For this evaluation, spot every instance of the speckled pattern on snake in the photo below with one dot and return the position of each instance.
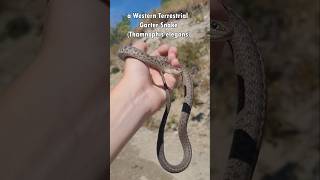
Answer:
(249, 69)
(161, 64)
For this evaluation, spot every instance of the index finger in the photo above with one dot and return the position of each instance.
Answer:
(140, 45)
(161, 51)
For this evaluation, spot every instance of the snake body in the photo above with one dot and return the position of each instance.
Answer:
(161, 64)
(249, 69)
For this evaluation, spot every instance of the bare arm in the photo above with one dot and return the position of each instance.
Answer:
(137, 96)
(130, 105)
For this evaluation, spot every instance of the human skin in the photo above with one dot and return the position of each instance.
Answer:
(54, 116)
(139, 93)
(137, 96)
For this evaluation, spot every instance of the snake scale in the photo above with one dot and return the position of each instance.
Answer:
(161, 64)
(249, 69)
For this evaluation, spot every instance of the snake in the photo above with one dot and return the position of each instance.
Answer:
(251, 110)
(161, 63)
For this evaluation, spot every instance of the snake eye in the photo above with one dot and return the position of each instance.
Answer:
(216, 26)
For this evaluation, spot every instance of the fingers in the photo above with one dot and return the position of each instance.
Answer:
(170, 51)
(172, 56)
(140, 45)
(170, 81)
(132, 65)
(161, 50)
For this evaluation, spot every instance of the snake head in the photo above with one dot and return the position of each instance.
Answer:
(220, 31)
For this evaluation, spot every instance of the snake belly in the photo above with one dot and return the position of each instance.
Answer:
(161, 64)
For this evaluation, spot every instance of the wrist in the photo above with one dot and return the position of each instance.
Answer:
(127, 114)
(133, 95)
(143, 94)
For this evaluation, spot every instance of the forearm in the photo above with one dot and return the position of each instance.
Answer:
(137, 96)
(50, 114)
(128, 109)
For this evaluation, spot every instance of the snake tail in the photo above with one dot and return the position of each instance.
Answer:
(161, 64)
(182, 129)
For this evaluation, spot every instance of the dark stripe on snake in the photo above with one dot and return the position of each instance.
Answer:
(186, 108)
(162, 65)
(161, 130)
(243, 147)
(241, 95)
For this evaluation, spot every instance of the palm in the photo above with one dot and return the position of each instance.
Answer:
(149, 78)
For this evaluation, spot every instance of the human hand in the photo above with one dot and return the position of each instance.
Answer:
(143, 79)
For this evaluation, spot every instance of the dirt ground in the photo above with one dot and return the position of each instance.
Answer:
(138, 159)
